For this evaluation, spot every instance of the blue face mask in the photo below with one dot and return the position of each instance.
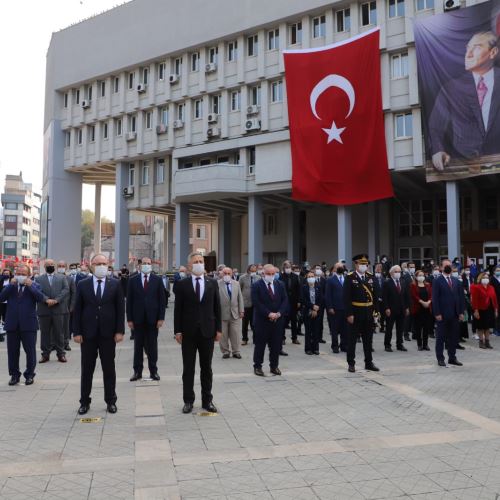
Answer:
(497, 274)
(277, 276)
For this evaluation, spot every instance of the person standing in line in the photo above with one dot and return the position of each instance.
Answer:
(378, 286)
(197, 325)
(4, 281)
(68, 304)
(99, 324)
(246, 282)
(334, 302)
(292, 287)
(495, 283)
(320, 279)
(421, 310)
(311, 300)
(485, 306)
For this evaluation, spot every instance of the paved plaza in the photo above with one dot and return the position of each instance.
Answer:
(414, 430)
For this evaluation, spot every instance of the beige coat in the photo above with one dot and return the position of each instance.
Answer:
(230, 310)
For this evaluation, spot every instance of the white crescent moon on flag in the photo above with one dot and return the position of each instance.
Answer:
(332, 81)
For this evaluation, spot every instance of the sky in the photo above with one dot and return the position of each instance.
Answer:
(25, 30)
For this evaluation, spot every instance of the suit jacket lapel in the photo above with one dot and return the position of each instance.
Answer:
(471, 97)
(495, 99)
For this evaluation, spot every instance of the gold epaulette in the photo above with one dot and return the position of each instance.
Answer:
(349, 274)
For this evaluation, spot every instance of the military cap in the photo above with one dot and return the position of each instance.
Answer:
(361, 258)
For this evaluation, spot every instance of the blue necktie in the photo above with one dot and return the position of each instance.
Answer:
(228, 290)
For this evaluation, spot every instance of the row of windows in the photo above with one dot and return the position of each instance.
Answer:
(159, 173)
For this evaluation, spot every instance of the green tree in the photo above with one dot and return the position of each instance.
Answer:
(87, 229)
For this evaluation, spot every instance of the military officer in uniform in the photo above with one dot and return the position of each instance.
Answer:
(360, 302)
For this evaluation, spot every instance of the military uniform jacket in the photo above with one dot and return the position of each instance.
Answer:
(359, 293)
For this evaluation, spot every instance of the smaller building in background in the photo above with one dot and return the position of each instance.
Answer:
(21, 220)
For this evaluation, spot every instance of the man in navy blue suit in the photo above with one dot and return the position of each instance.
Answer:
(146, 301)
(448, 306)
(270, 305)
(21, 324)
(334, 300)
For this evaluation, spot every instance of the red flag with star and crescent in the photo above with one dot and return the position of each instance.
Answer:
(336, 120)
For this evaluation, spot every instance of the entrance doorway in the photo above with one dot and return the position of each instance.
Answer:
(491, 252)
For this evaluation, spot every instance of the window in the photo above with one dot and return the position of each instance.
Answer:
(195, 61)
(488, 212)
(212, 54)
(11, 218)
(67, 139)
(160, 171)
(35, 232)
(91, 131)
(273, 39)
(119, 127)
(145, 75)
(131, 78)
(26, 208)
(368, 13)
(116, 84)
(26, 221)
(198, 109)
(399, 65)
(205, 161)
(145, 174)
(252, 45)
(132, 123)
(416, 218)
(36, 222)
(343, 18)
(235, 100)
(178, 66)
(161, 71)
(215, 104)
(255, 95)
(270, 224)
(131, 174)
(164, 115)
(296, 33)
(180, 112)
(10, 232)
(105, 130)
(201, 232)
(319, 26)
(80, 136)
(77, 96)
(425, 4)
(10, 206)
(251, 160)
(102, 86)
(9, 247)
(396, 8)
(232, 51)
(65, 99)
(89, 92)
(277, 91)
(404, 125)
(149, 120)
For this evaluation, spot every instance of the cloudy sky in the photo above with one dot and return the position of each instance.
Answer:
(25, 30)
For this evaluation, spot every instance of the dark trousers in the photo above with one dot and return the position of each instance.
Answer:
(422, 326)
(446, 336)
(3, 311)
(321, 316)
(247, 320)
(14, 341)
(338, 329)
(292, 319)
(399, 321)
(362, 327)
(52, 334)
(66, 328)
(145, 339)
(272, 336)
(311, 339)
(205, 348)
(90, 348)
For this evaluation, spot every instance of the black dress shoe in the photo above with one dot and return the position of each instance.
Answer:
(300, 333)
(420, 348)
(321, 341)
(187, 408)
(44, 359)
(155, 376)
(67, 347)
(316, 352)
(132, 336)
(296, 342)
(426, 348)
(309, 353)
(388, 349)
(371, 367)
(83, 409)
(226, 355)
(237, 355)
(407, 338)
(210, 408)
(441, 362)
(351, 369)
(29, 381)
(275, 371)
(455, 362)
(112, 408)
(135, 376)
(402, 348)
(335, 350)
(460, 347)
(14, 380)
(259, 372)
(283, 353)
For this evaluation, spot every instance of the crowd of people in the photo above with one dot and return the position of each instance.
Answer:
(91, 304)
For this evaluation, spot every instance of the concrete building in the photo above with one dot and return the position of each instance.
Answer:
(183, 106)
(21, 219)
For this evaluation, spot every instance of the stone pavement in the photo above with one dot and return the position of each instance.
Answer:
(412, 431)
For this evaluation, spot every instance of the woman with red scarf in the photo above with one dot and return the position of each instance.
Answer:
(485, 307)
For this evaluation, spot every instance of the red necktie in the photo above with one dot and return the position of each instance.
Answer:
(482, 90)
(145, 282)
(271, 293)
(449, 282)
(398, 286)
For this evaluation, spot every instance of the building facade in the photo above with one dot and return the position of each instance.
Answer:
(21, 220)
(190, 122)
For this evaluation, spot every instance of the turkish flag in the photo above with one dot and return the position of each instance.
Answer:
(337, 134)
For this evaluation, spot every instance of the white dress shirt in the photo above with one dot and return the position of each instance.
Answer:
(103, 284)
(202, 284)
(489, 81)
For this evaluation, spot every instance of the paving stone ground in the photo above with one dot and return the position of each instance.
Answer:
(413, 431)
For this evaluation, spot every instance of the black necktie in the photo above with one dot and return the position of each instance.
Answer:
(198, 291)
(21, 289)
(228, 290)
(99, 290)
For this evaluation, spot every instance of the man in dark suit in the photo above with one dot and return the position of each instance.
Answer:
(82, 274)
(98, 325)
(334, 301)
(292, 287)
(396, 307)
(378, 285)
(68, 304)
(21, 324)
(448, 306)
(321, 281)
(197, 325)
(465, 120)
(146, 302)
(178, 276)
(270, 305)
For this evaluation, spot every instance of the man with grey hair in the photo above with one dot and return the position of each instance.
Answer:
(197, 325)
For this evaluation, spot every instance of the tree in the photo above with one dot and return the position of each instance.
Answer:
(87, 229)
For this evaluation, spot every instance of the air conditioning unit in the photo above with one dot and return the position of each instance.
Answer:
(131, 136)
(213, 117)
(252, 110)
(128, 192)
(178, 124)
(213, 132)
(210, 67)
(141, 88)
(451, 4)
(161, 129)
(173, 78)
(253, 124)
(85, 104)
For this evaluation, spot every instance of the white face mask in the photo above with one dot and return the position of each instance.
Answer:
(100, 271)
(226, 278)
(21, 279)
(288, 270)
(435, 274)
(397, 276)
(109, 273)
(362, 268)
(269, 278)
(378, 275)
(454, 274)
(85, 273)
(485, 281)
(311, 281)
(297, 273)
(198, 268)
(253, 273)
(72, 272)
(61, 270)
(420, 279)
(467, 273)
(318, 272)
(182, 274)
(412, 270)
(146, 268)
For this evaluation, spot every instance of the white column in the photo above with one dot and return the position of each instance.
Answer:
(354, 8)
(188, 114)
(264, 105)
(240, 62)
(97, 218)
(243, 112)
(418, 152)
(261, 65)
(181, 233)
(344, 233)
(453, 219)
(329, 26)
(221, 59)
(306, 32)
(385, 71)
(255, 230)
(373, 231)
(224, 116)
(184, 75)
(412, 76)
(202, 75)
